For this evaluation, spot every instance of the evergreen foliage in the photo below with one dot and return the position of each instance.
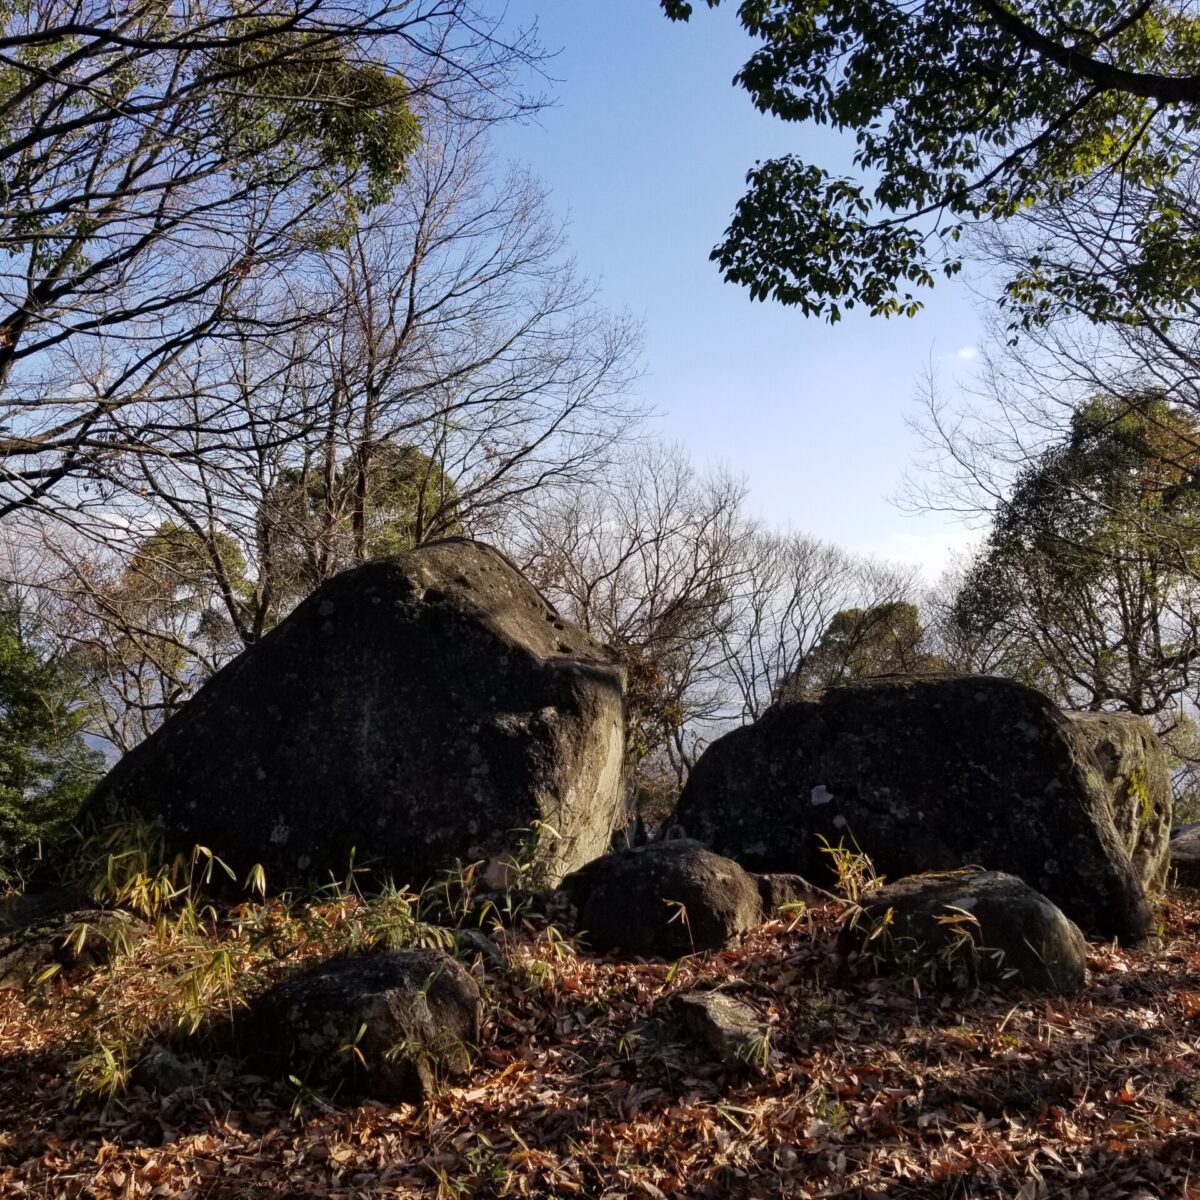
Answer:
(964, 111)
(46, 765)
(1089, 572)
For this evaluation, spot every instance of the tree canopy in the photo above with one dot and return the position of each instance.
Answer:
(166, 177)
(858, 643)
(963, 111)
(1091, 568)
(384, 500)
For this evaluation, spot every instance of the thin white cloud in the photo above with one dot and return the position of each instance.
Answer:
(959, 357)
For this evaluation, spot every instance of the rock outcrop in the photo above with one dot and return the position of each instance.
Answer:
(664, 900)
(1133, 763)
(397, 1027)
(924, 773)
(969, 926)
(415, 711)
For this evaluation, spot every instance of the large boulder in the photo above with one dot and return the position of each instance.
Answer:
(923, 773)
(664, 900)
(414, 711)
(394, 1026)
(1137, 774)
(968, 926)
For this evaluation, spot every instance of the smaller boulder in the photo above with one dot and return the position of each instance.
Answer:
(67, 941)
(728, 1029)
(664, 900)
(1185, 857)
(778, 890)
(163, 1073)
(968, 926)
(392, 1026)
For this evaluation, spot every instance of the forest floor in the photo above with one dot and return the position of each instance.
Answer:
(869, 1088)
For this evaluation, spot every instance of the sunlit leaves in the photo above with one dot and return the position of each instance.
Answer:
(959, 116)
(294, 94)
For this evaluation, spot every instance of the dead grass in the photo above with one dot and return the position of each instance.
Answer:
(583, 1088)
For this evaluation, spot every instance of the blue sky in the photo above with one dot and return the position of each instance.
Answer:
(645, 152)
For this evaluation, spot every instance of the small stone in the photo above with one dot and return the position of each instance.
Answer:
(729, 1029)
(163, 1072)
(778, 889)
(474, 943)
(78, 940)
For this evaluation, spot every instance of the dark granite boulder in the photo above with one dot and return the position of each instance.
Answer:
(396, 1026)
(663, 900)
(924, 773)
(968, 926)
(417, 710)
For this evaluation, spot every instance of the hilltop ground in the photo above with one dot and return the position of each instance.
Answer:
(869, 1088)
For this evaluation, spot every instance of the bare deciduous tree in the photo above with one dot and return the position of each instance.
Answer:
(646, 561)
(156, 161)
(711, 615)
(452, 363)
(791, 592)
